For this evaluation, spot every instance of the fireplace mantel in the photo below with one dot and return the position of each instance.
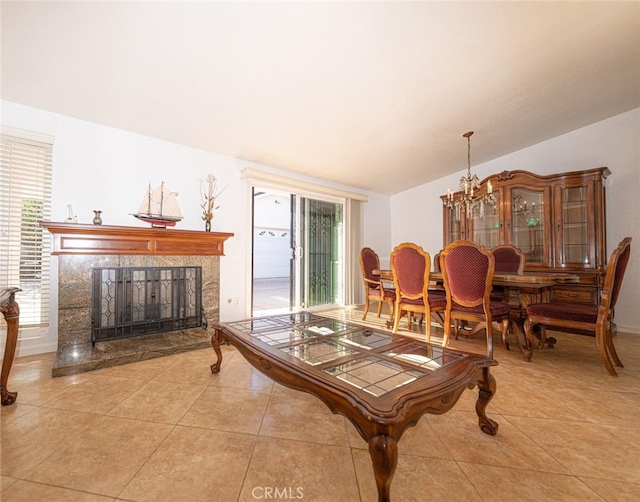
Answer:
(81, 239)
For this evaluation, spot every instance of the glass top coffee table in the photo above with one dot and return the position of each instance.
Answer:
(383, 383)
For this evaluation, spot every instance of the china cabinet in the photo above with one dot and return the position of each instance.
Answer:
(558, 221)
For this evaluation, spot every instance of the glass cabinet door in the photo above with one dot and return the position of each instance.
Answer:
(454, 226)
(527, 224)
(573, 226)
(485, 223)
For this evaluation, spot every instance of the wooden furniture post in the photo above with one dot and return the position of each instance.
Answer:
(11, 312)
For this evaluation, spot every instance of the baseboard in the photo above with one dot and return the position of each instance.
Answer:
(31, 347)
(628, 329)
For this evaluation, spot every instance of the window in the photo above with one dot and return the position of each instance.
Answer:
(25, 200)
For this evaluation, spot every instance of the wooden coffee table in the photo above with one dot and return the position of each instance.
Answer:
(382, 383)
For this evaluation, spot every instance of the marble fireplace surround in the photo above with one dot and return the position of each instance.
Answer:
(80, 248)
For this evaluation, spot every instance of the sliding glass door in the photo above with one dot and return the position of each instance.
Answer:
(318, 232)
(315, 237)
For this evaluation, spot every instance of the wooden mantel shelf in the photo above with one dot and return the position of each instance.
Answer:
(75, 238)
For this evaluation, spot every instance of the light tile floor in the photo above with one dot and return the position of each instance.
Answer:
(167, 429)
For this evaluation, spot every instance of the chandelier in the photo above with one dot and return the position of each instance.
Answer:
(467, 201)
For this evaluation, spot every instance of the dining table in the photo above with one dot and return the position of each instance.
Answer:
(520, 290)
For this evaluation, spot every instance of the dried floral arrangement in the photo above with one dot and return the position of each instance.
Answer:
(209, 193)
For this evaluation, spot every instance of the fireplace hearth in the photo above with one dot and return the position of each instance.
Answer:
(82, 249)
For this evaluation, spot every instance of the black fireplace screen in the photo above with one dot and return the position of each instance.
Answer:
(130, 301)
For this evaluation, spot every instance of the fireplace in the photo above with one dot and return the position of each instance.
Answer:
(83, 249)
(134, 301)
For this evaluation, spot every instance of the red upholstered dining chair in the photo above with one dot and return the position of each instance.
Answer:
(374, 288)
(597, 319)
(508, 260)
(411, 265)
(467, 272)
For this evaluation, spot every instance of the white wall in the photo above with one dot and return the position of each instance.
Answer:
(614, 143)
(99, 167)
(377, 227)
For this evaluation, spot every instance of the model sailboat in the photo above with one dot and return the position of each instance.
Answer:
(159, 207)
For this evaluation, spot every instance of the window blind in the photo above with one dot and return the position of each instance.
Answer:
(25, 200)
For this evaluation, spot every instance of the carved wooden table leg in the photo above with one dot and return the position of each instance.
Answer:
(11, 312)
(486, 390)
(215, 342)
(523, 343)
(384, 455)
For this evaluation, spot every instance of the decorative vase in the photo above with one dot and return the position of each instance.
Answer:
(207, 225)
(97, 220)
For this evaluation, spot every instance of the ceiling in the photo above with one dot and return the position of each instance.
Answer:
(369, 95)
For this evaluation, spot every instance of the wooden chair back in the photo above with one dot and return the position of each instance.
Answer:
(410, 266)
(615, 273)
(369, 261)
(467, 271)
(509, 259)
